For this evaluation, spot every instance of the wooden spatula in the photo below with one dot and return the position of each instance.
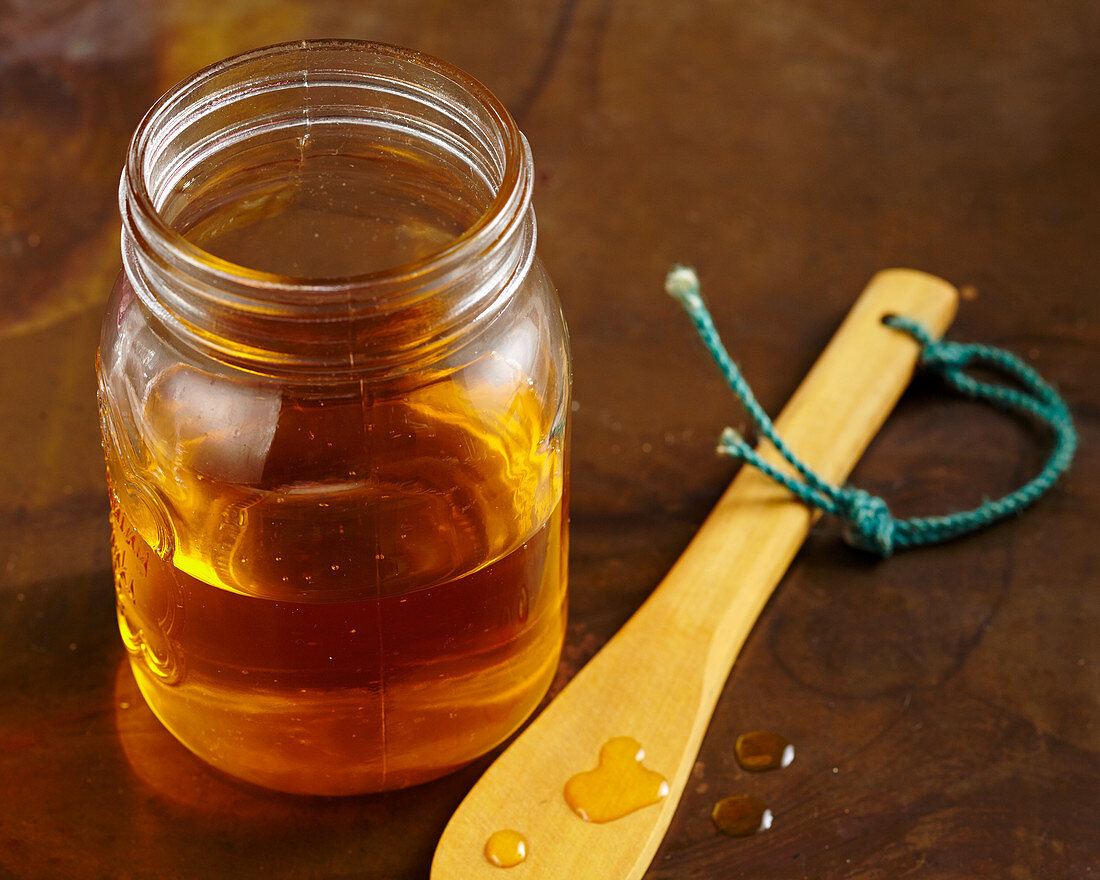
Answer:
(658, 679)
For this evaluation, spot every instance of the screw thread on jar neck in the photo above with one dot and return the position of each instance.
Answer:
(412, 136)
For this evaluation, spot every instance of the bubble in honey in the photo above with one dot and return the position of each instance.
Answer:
(741, 816)
(763, 750)
(506, 848)
(620, 785)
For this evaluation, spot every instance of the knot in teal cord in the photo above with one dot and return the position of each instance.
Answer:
(869, 524)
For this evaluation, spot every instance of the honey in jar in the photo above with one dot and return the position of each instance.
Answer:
(334, 389)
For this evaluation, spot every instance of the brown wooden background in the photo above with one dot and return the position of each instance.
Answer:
(945, 704)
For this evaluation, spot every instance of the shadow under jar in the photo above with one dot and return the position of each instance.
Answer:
(334, 391)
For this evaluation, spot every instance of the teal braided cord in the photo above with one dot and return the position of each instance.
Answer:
(869, 523)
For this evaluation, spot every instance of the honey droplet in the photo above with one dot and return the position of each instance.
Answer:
(763, 750)
(506, 848)
(741, 816)
(620, 785)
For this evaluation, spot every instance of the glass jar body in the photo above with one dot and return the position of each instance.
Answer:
(340, 580)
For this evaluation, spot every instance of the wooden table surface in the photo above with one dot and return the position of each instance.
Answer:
(944, 704)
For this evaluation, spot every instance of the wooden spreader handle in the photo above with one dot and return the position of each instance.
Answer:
(658, 679)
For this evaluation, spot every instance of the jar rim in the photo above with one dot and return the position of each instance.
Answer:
(508, 205)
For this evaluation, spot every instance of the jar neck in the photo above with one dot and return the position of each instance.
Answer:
(436, 142)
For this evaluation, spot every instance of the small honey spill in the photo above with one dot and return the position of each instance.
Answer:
(763, 750)
(506, 848)
(619, 786)
(741, 816)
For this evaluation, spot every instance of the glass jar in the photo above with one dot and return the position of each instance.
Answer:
(334, 389)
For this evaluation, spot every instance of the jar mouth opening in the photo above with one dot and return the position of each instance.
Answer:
(505, 211)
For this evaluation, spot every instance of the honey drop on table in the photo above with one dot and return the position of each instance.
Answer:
(763, 750)
(741, 816)
(618, 786)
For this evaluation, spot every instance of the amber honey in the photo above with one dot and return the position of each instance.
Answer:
(761, 750)
(618, 786)
(506, 848)
(741, 816)
(445, 630)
